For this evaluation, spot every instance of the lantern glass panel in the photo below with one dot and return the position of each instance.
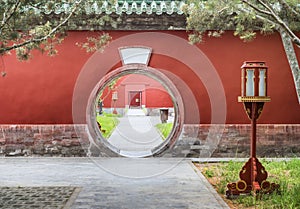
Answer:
(250, 83)
(262, 82)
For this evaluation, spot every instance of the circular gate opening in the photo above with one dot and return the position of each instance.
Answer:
(135, 111)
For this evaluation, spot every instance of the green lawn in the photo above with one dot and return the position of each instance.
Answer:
(164, 129)
(108, 123)
(285, 173)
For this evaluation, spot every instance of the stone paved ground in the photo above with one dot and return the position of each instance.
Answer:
(36, 197)
(115, 183)
(136, 133)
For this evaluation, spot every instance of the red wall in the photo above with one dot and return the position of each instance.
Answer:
(158, 98)
(40, 91)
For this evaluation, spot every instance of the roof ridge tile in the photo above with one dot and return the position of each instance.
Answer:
(126, 6)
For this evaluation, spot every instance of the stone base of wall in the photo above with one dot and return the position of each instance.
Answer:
(273, 140)
(43, 140)
(195, 141)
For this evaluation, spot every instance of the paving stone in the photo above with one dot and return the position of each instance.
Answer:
(35, 197)
(105, 183)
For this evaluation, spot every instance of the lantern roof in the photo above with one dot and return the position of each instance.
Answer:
(254, 64)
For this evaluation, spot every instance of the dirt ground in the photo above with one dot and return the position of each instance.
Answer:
(214, 181)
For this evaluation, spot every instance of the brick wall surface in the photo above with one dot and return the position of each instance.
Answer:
(273, 140)
(194, 141)
(42, 140)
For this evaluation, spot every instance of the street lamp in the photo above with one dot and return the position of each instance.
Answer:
(254, 94)
(115, 98)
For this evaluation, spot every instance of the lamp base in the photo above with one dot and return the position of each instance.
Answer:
(252, 179)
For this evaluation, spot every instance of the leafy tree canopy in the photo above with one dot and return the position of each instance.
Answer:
(245, 17)
(40, 24)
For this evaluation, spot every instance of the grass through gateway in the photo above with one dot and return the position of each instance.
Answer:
(286, 173)
(164, 129)
(108, 123)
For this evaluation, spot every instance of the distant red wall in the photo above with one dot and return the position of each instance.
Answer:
(153, 93)
(40, 91)
(158, 98)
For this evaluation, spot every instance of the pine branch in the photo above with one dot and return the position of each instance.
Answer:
(264, 19)
(289, 8)
(6, 20)
(279, 22)
(293, 36)
(39, 40)
(256, 8)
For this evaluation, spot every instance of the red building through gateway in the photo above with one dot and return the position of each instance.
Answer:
(136, 91)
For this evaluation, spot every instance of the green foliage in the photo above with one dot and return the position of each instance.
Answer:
(245, 17)
(24, 28)
(286, 173)
(110, 86)
(96, 43)
(108, 123)
(27, 25)
(164, 128)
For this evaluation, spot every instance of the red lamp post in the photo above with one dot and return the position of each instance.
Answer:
(254, 94)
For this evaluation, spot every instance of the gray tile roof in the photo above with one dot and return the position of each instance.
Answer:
(123, 7)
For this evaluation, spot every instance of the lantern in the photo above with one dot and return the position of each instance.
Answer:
(254, 82)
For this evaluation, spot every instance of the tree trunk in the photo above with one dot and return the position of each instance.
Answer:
(292, 59)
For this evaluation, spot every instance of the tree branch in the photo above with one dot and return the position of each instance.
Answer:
(5, 20)
(281, 23)
(292, 10)
(256, 8)
(259, 17)
(221, 10)
(39, 40)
